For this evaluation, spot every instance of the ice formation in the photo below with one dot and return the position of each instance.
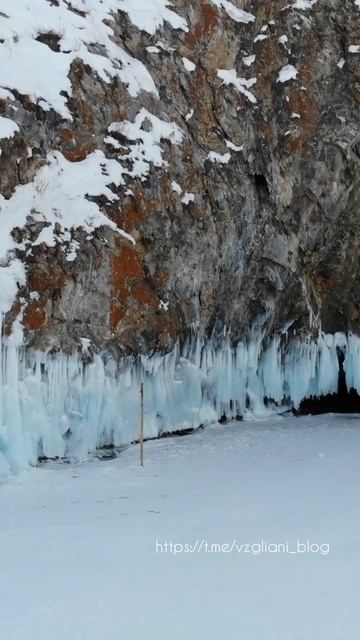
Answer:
(56, 405)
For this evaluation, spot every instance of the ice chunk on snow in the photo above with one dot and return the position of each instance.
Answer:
(236, 14)
(288, 72)
(229, 77)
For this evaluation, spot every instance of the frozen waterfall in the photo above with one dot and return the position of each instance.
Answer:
(57, 405)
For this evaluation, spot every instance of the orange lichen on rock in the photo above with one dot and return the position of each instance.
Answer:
(134, 211)
(126, 269)
(161, 279)
(66, 135)
(125, 264)
(117, 313)
(205, 26)
(325, 284)
(268, 59)
(304, 104)
(78, 153)
(85, 113)
(145, 295)
(51, 279)
(34, 316)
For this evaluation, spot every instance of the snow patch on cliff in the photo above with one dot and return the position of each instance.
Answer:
(219, 158)
(8, 128)
(6, 95)
(150, 15)
(49, 37)
(303, 4)
(249, 60)
(288, 72)
(188, 198)
(58, 198)
(188, 64)
(144, 136)
(234, 147)
(236, 14)
(230, 77)
(261, 37)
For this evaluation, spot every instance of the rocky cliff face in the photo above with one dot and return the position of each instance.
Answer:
(223, 137)
(180, 167)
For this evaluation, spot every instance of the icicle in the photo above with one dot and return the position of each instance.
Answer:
(55, 405)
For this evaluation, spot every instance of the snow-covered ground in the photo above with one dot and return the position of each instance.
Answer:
(78, 553)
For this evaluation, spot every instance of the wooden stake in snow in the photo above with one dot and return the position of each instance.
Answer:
(142, 425)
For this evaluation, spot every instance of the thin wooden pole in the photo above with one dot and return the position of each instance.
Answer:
(142, 425)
